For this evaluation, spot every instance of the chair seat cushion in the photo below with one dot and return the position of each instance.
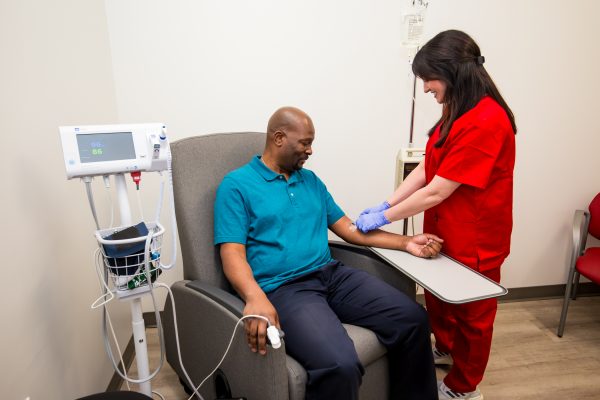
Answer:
(366, 343)
(588, 264)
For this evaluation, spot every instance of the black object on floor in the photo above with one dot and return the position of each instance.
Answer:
(120, 395)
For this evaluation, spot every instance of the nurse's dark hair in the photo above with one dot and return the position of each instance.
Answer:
(454, 58)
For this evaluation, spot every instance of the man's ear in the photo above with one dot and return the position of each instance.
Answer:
(278, 137)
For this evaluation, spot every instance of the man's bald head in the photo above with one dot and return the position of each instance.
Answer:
(288, 118)
(290, 134)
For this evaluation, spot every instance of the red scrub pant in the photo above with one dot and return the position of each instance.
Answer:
(464, 331)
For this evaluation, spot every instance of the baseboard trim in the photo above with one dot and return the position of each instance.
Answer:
(540, 292)
(548, 292)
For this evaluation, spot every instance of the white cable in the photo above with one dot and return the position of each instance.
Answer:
(103, 286)
(139, 203)
(160, 332)
(161, 193)
(106, 179)
(90, 195)
(156, 313)
(160, 395)
(118, 348)
(160, 284)
(173, 219)
(237, 324)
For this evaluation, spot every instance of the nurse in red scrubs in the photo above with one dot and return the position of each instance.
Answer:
(465, 187)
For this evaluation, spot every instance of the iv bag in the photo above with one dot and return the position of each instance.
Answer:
(412, 25)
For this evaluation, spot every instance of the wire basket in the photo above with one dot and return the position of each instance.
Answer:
(124, 254)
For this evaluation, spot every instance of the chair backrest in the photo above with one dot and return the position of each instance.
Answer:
(594, 226)
(199, 165)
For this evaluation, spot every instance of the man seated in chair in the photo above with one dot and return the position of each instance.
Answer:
(271, 221)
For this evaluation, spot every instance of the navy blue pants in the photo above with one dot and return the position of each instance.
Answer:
(311, 311)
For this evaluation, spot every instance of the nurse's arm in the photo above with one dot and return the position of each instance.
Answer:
(425, 245)
(413, 182)
(438, 190)
(239, 273)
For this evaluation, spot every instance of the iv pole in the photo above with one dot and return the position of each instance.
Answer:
(414, 29)
(412, 111)
(411, 130)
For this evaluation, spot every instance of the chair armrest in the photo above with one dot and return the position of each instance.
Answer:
(206, 318)
(233, 304)
(363, 258)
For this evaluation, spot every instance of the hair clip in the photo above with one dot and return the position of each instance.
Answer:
(480, 60)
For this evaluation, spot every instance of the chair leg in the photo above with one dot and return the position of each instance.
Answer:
(575, 285)
(563, 314)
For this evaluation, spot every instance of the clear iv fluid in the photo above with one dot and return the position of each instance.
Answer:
(414, 30)
(412, 25)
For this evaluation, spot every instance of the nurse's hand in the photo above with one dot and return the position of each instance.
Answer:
(379, 207)
(425, 245)
(368, 222)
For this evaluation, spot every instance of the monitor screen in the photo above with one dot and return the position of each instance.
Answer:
(98, 147)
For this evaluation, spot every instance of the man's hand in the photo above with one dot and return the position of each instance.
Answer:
(256, 328)
(425, 245)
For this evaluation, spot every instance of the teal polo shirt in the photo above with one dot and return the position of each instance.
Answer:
(283, 223)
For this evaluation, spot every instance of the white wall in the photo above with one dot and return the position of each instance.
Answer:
(55, 70)
(226, 66)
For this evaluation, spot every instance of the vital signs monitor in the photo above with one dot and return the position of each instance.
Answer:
(111, 149)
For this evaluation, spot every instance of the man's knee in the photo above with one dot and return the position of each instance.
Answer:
(414, 325)
(349, 370)
(340, 379)
(420, 316)
(345, 366)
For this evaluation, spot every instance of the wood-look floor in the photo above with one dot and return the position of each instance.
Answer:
(528, 361)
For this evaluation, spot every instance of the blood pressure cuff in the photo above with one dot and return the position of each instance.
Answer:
(126, 258)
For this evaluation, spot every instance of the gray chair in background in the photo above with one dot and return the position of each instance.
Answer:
(207, 308)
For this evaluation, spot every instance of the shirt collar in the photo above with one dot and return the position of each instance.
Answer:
(268, 174)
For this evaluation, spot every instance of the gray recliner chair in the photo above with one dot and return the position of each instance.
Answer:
(207, 308)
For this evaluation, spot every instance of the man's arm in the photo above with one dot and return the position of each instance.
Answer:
(238, 272)
(425, 245)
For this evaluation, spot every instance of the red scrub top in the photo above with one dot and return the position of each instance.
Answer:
(476, 220)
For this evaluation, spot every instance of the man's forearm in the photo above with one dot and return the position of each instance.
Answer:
(377, 238)
(386, 240)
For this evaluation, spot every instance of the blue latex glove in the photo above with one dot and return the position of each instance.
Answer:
(379, 207)
(368, 222)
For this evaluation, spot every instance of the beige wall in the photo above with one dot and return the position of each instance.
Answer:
(55, 70)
